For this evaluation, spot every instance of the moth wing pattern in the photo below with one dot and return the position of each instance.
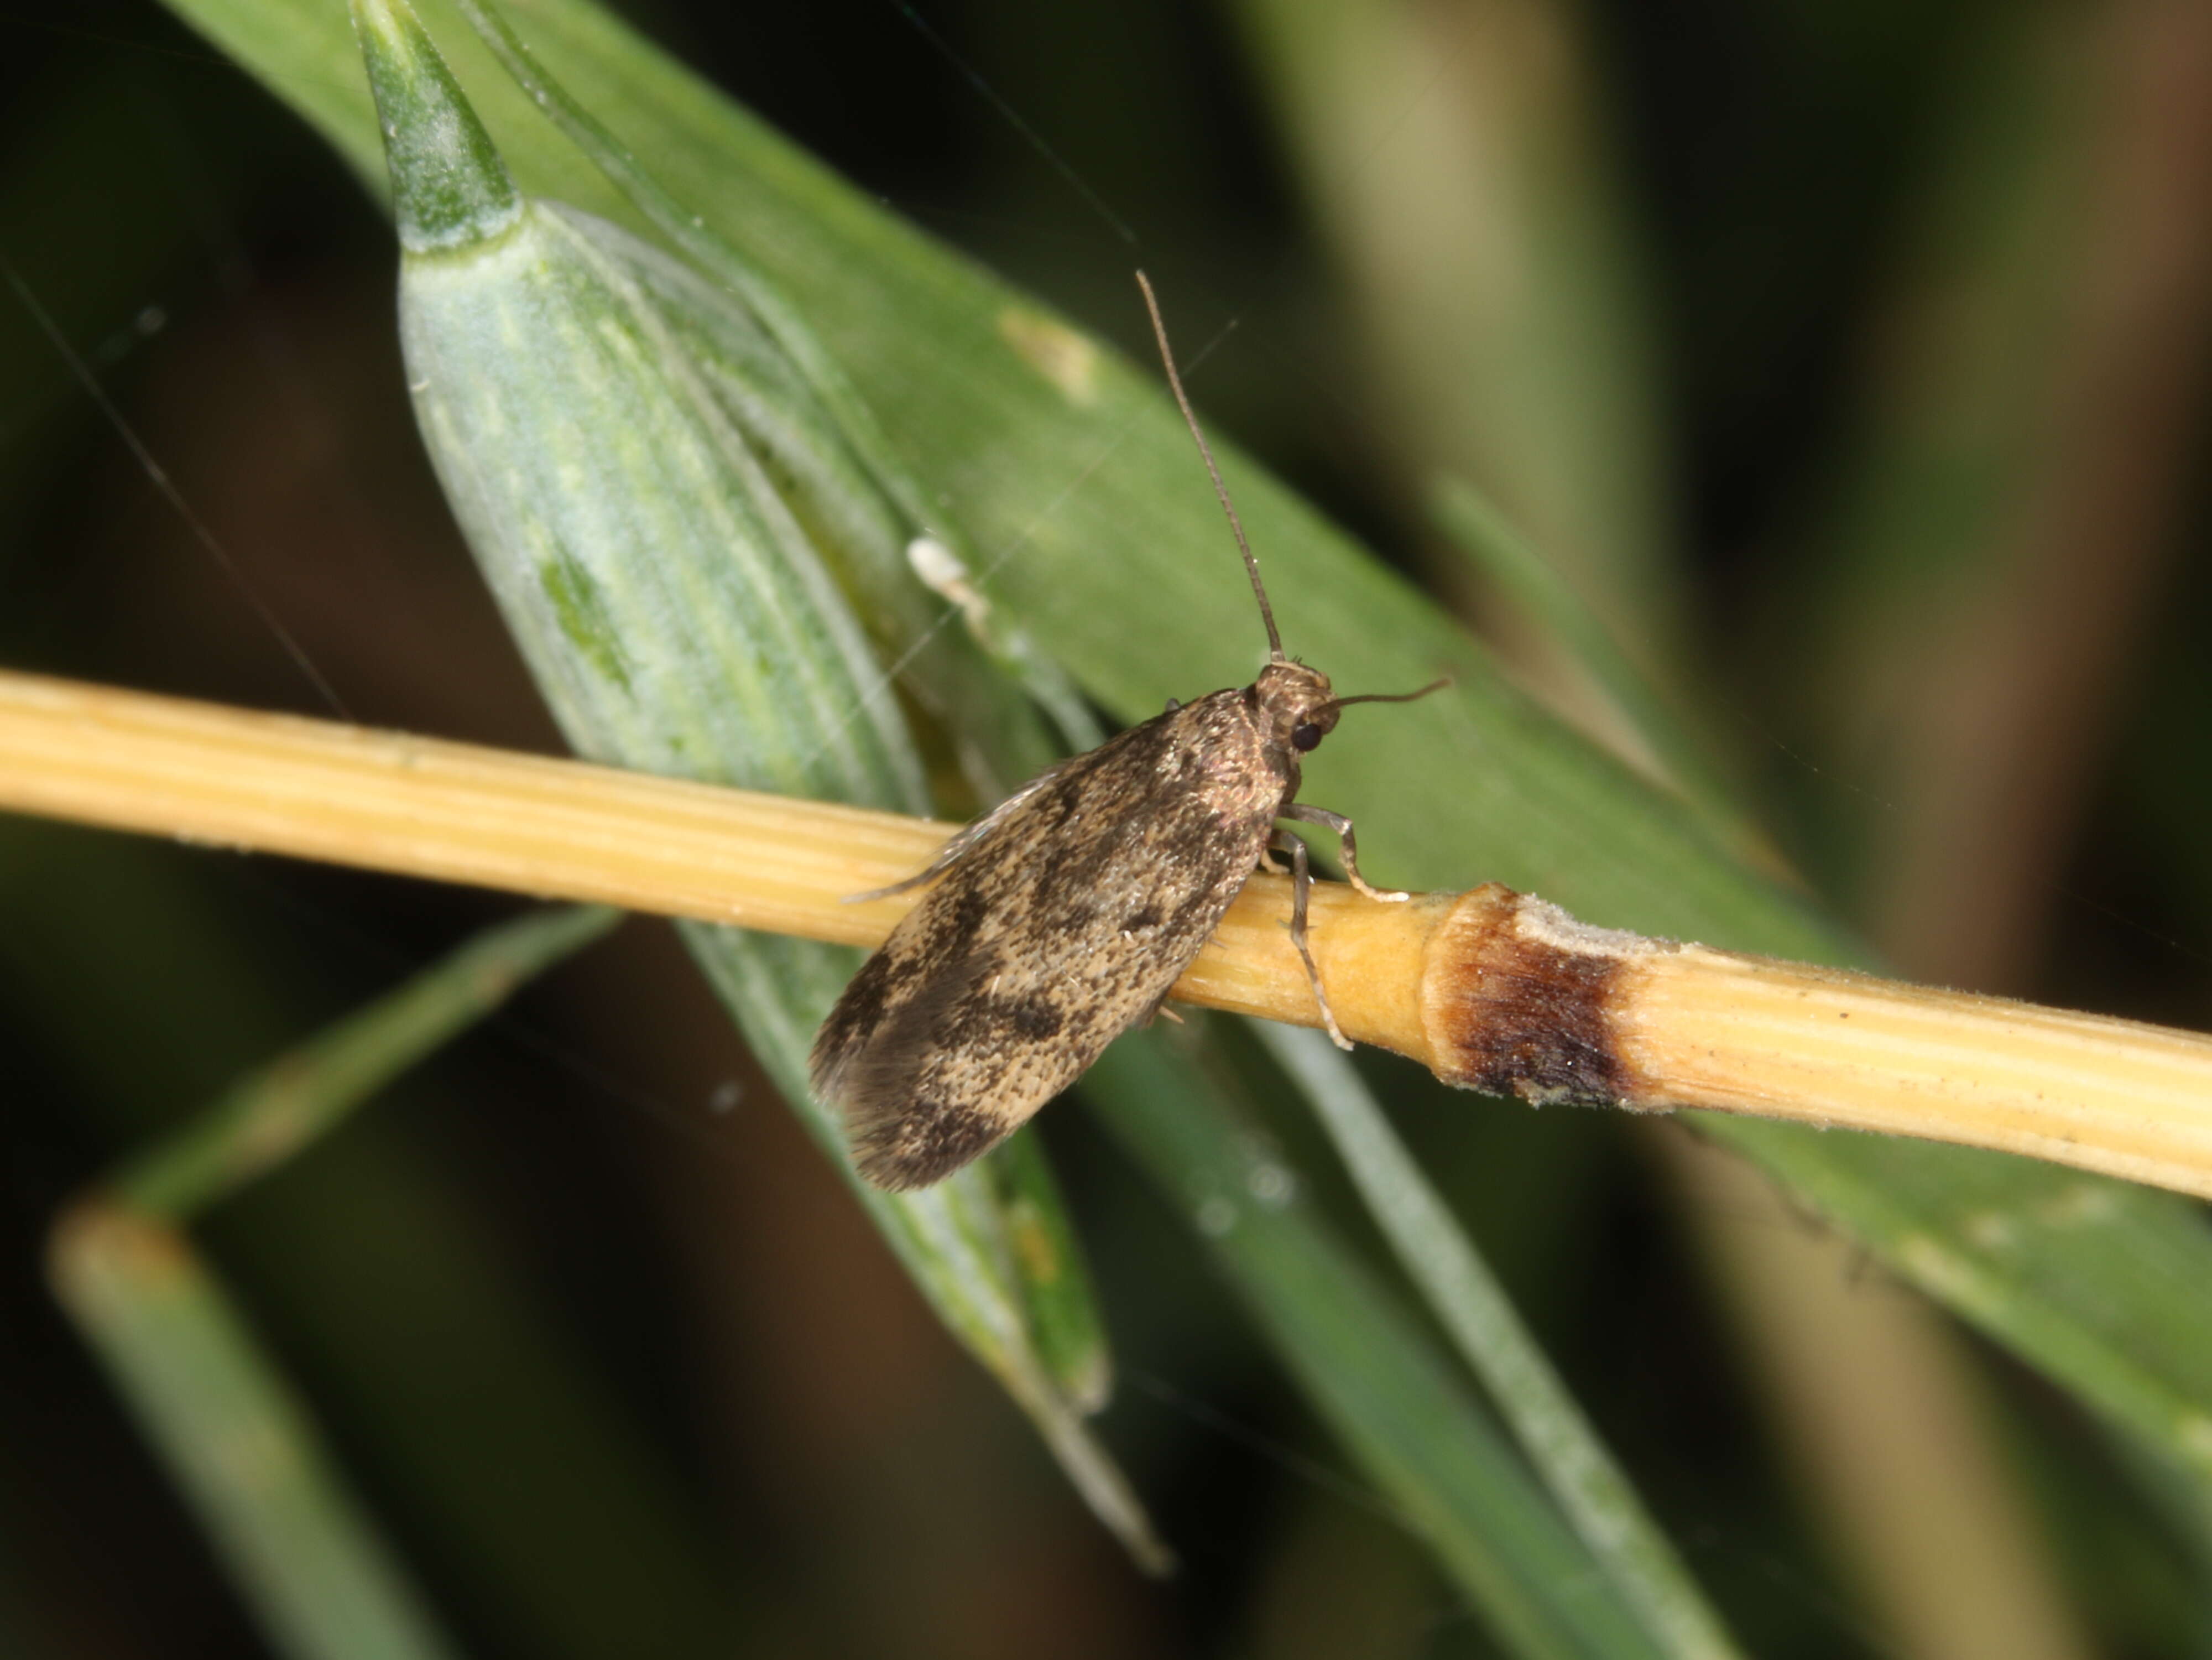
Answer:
(1062, 921)
(957, 848)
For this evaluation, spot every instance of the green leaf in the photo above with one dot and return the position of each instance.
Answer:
(276, 1112)
(215, 1404)
(1549, 601)
(235, 1439)
(1366, 1367)
(431, 1351)
(1473, 1309)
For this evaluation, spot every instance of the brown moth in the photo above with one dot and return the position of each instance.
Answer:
(1065, 914)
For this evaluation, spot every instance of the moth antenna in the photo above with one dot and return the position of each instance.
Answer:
(1190, 419)
(1388, 697)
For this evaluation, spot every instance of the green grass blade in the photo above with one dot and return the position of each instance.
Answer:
(493, 1441)
(2098, 1282)
(1063, 1310)
(1474, 1310)
(243, 1449)
(273, 1113)
(1363, 1365)
(1550, 600)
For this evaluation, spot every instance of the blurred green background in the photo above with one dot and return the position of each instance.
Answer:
(1847, 360)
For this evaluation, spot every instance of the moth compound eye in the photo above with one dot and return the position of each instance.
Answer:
(1305, 736)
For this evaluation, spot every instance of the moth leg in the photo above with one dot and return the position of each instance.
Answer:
(1272, 865)
(1301, 884)
(1342, 826)
(1160, 1010)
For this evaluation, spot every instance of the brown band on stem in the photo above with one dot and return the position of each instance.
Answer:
(1519, 999)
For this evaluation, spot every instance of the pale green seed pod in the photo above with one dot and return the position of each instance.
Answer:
(672, 602)
(672, 527)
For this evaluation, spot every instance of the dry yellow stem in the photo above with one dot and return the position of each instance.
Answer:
(551, 829)
(1741, 1033)
(1485, 988)
(456, 813)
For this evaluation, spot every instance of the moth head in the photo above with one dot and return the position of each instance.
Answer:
(1294, 705)
(1297, 709)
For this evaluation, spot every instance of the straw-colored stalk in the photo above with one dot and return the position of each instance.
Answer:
(1487, 989)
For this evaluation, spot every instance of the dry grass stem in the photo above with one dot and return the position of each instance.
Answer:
(1487, 989)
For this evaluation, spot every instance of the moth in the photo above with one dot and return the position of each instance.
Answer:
(1061, 919)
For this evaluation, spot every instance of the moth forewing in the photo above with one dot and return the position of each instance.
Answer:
(1062, 919)
(1058, 928)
